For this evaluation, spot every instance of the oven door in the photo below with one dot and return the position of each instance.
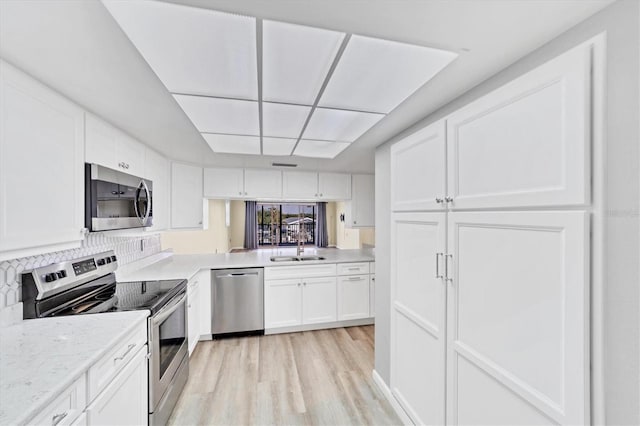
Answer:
(168, 344)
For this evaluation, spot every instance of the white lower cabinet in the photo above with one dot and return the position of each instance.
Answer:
(203, 283)
(515, 317)
(318, 300)
(193, 313)
(67, 407)
(124, 400)
(311, 295)
(353, 297)
(282, 303)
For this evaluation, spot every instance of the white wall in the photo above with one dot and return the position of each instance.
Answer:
(621, 21)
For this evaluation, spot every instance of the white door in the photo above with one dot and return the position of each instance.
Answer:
(528, 142)
(353, 297)
(372, 295)
(334, 186)
(101, 139)
(124, 401)
(157, 168)
(299, 185)
(418, 315)
(362, 202)
(193, 314)
(318, 300)
(518, 318)
(41, 164)
(418, 174)
(131, 153)
(263, 184)
(223, 183)
(282, 303)
(186, 196)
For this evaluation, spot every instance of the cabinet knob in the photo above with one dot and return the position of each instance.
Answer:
(449, 199)
(439, 200)
(245, 193)
(239, 192)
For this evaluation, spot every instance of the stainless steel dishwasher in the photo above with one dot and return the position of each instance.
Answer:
(237, 301)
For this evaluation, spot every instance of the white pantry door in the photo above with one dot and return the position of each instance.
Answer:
(518, 318)
(418, 174)
(418, 315)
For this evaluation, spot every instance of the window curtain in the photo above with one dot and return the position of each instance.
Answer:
(322, 236)
(251, 225)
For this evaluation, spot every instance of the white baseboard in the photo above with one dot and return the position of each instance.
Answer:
(320, 326)
(384, 389)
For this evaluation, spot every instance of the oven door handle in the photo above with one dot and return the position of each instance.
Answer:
(169, 309)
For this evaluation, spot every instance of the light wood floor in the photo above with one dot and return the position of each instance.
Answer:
(310, 378)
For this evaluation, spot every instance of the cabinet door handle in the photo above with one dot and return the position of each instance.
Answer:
(439, 200)
(58, 418)
(447, 270)
(448, 199)
(121, 357)
(438, 275)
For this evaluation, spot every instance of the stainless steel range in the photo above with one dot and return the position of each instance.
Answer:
(88, 285)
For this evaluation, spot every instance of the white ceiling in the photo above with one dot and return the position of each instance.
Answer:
(79, 49)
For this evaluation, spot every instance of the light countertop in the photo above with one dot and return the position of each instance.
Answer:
(185, 266)
(39, 358)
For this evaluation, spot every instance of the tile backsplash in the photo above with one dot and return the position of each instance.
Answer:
(128, 249)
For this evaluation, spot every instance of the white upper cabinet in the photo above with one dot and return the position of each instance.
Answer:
(186, 196)
(360, 211)
(109, 147)
(223, 183)
(263, 184)
(418, 170)
(41, 164)
(334, 186)
(299, 185)
(527, 143)
(158, 169)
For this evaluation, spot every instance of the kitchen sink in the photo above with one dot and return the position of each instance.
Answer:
(295, 258)
(302, 258)
(284, 259)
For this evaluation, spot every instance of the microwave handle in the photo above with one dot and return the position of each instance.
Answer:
(143, 185)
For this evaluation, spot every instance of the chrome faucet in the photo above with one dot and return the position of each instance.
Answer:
(301, 235)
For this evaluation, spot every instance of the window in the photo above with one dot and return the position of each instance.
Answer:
(283, 224)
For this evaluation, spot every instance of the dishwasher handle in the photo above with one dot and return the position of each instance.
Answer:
(240, 274)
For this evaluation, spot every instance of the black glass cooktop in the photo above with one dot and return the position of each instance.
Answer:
(126, 296)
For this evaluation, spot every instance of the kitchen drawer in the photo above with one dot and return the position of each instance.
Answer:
(284, 272)
(66, 408)
(103, 371)
(372, 267)
(353, 268)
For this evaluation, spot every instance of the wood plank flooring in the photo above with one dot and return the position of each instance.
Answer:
(310, 378)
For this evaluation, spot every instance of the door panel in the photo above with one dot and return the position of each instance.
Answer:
(334, 186)
(518, 313)
(418, 315)
(282, 303)
(527, 143)
(353, 297)
(318, 300)
(418, 170)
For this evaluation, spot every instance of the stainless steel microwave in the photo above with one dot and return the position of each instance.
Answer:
(116, 200)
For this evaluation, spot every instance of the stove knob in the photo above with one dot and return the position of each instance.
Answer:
(100, 262)
(108, 259)
(61, 274)
(114, 258)
(50, 277)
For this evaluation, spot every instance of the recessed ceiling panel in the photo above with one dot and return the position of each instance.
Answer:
(377, 75)
(277, 146)
(214, 115)
(319, 149)
(233, 144)
(339, 125)
(295, 61)
(283, 120)
(193, 50)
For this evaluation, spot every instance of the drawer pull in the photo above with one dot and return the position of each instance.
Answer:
(355, 279)
(354, 269)
(58, 418)
(121, 357)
